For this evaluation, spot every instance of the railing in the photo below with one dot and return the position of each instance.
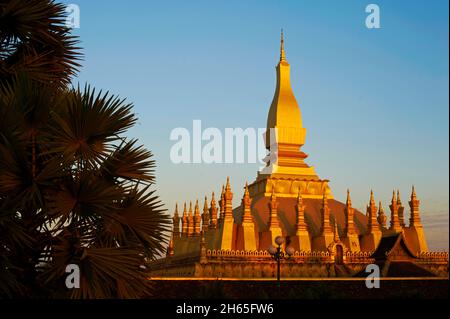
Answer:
(433, 257)
(298, 256)
(359, 257)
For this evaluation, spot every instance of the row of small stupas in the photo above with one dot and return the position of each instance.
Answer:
(228, 230)
(287, 198)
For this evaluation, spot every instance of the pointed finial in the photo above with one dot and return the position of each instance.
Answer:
(228, 187)
(381, 216)
(399, 202)
(184, 209)
(176, 208)
(190, 207)
(372, 199)
(282, 39)
(413, 192)
(336, 232)
(282, 53)
(349, 200)
(246, 193)
(393, 197)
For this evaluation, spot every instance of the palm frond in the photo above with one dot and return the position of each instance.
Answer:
(129, 162)
(34, 39)
(88, 125)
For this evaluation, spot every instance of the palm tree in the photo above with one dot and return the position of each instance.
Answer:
(73, 188)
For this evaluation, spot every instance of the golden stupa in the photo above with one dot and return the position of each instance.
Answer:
(288, 199)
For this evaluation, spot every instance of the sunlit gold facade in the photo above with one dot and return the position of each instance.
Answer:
(288, 199)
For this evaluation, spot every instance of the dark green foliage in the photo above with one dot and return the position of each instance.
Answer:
(73, 188)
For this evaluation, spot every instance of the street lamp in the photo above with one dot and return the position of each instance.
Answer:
(278, 254)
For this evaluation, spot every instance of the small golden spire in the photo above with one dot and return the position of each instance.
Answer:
(349, 227)
(381, 216)
(399, 202)
(176, 210)
(372, 199)
(413, 192)
(336, 232)
(205, 215)
(348, 202)
(184, 222)
(325, 216)
(282, 53)
(246, 193)
(213, 199)
(213, 212)
(184, 210)
(205, 206)
(394, 200)
(197, 219)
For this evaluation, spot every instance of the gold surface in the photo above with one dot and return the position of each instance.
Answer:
(235, 244)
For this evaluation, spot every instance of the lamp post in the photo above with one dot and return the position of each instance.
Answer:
(278, 254)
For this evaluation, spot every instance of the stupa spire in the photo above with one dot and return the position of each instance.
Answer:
(372, 225)
(300, 224)
(282, 53)
(381, 216)
(284, 137)
(213, 213)
(176, 222)
(190, 228)
(336, 232)
(401, 210)
(284, 113)
(246, 202)
(349, 216)
(197, 219)
(395, 221)
(205, 215)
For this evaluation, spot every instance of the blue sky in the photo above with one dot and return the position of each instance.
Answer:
(375, 102)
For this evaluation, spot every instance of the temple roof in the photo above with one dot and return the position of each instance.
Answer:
(287, 215)
(390, 243)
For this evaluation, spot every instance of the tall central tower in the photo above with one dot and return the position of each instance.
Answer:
(286, 170)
